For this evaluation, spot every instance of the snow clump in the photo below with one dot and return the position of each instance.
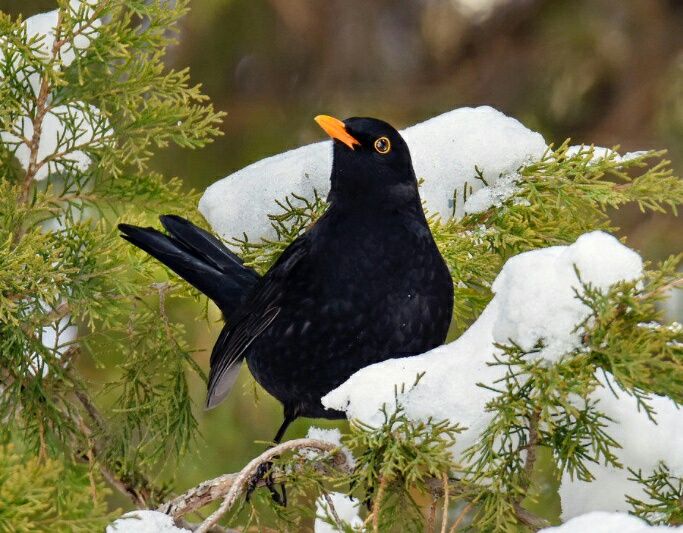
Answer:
(534, 304)
(346, 508)
(447, 152)
(602, 522)
(144, 522)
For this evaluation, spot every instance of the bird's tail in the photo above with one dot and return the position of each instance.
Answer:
(198, 257)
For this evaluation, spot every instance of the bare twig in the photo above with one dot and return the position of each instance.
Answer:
(461, 517)
(531, 450)
(333, 511)
(377, 503)
(444, 514)
(237, 484)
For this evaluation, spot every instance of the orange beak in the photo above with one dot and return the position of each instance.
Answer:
(335, 128)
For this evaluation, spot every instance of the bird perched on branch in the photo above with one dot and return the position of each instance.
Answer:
(365, 283)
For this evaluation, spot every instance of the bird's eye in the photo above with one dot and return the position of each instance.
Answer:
(382, 145)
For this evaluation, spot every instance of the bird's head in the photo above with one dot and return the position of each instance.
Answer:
(371, 163)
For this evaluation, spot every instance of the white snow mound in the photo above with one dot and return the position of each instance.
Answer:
(63, 130)
(445, 151)
(536, 291)
(144, 522)
(533, 303)
(333, 436)
(644, 446)
(601, 522)
(346, 508)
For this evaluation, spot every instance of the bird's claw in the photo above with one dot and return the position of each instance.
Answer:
(264, 472)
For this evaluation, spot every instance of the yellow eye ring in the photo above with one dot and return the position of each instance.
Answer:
(383, 145)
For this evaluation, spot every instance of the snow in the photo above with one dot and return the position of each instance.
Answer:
(56, 135)
(478, 10)
(42, 28)
(144, 522)
(644, 445)
(494, 195)
(446, 151)
(64, 128)
(346, 508)
(58, 337)
(600, 152)
(43, 24)
(547, 278)
(333, 436)
(533, 301)
(602, 522)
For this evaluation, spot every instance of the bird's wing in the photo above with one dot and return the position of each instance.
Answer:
(258, 313)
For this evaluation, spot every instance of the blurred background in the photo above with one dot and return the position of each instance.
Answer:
(606, 72)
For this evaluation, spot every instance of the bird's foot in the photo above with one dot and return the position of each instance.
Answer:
(264, 473)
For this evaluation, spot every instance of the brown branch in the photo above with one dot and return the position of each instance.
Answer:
(444, 517)
(199, 496)
(529, 519)
(531, 451)
(138, 493)
(231, 486)
(455, 487)
(42, 106)
(376, 504)
(461, 517)
(333, 511)
(431, 518)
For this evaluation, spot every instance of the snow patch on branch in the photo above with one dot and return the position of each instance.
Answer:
(536, 292)
(534, 305)
(598, 153)
(492, 195)
(144, 522)
(333, 436)
(43, 25)
(66, 133)
(346, 509)
(446, 150)
(602, 522)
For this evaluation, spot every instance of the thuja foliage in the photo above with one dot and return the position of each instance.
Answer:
(537, 408)
(83, 106)
(85, 102)
(38, 494)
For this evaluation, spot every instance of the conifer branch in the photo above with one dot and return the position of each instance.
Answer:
(231, 486)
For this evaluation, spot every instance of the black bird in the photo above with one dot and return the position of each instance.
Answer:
(365, 283)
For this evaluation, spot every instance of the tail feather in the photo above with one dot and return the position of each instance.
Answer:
(208, 247)
(197, 257)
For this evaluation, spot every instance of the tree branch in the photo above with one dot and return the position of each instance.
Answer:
(231, 486)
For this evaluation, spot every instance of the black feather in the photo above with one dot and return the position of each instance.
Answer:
(205, 263)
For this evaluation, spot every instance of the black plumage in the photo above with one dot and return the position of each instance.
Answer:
(365, 283)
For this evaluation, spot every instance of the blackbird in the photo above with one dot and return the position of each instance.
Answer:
(365, 283)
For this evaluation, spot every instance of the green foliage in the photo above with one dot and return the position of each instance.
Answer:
(49, 495)
(62, 264)
(626, 334)
(665, 493)
(82, 114)
(396, 460)
(297, 214)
